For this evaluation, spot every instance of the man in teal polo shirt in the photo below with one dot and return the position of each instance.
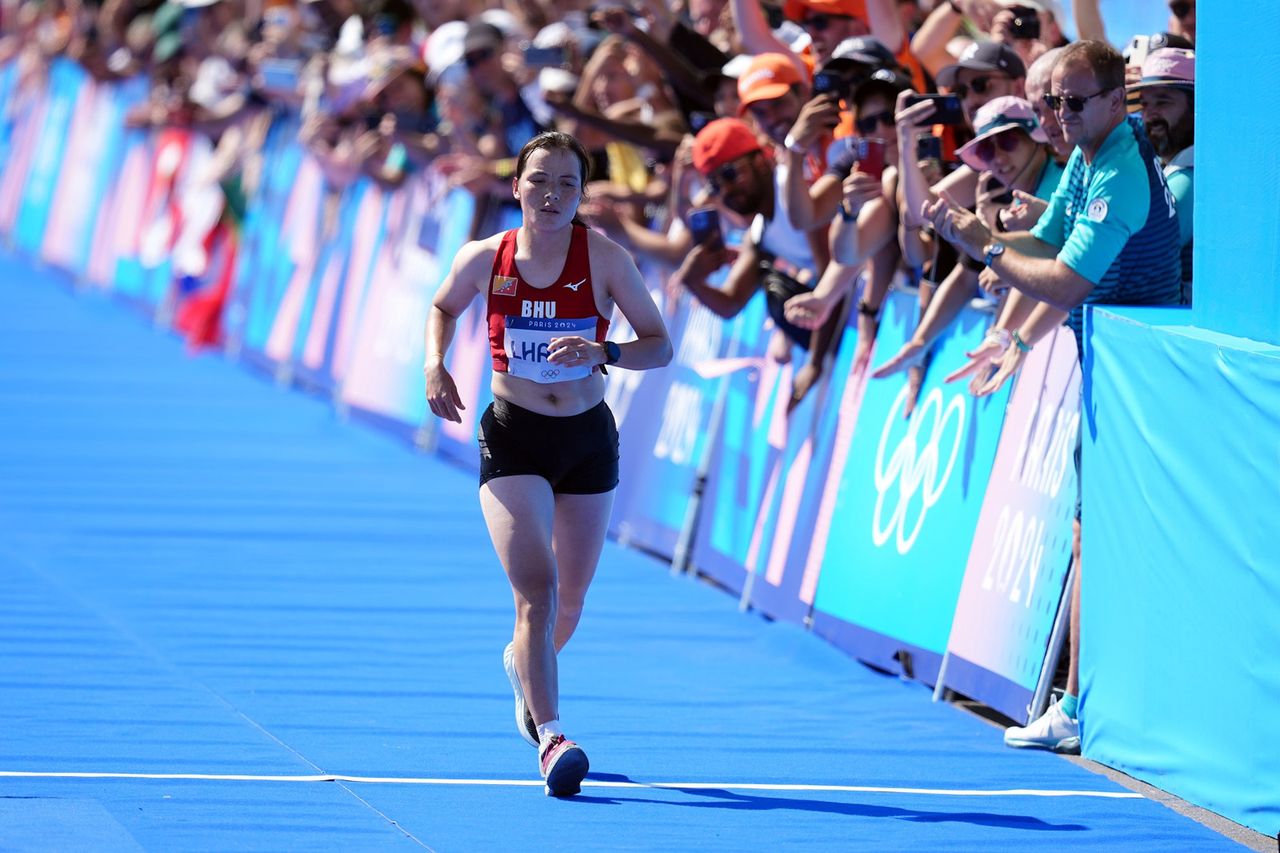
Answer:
(1109, 236)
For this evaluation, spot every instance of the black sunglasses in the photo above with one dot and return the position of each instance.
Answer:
(476, 57)
(722, 177)
(986, 149)
(979, 85)
(820, 22)
(1075, 103)
(1180, 8)
(868, 124)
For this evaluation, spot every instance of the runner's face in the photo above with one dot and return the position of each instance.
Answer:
(550, 188)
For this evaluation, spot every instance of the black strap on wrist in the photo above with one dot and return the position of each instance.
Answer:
(865, 309)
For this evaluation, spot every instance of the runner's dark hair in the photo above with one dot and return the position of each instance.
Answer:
(554, 140)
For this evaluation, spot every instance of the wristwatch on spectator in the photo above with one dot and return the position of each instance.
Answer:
(612, 352)
(992, 251)
(792, 145)
(865, 309)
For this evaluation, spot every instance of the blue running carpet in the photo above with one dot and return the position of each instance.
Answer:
(231, 621)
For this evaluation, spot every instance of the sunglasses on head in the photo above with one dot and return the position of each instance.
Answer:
(476, 57)
(978, 85)
(1180, 8)
(820, 22)
(867, 125)
(986, 149)
(1075, 103)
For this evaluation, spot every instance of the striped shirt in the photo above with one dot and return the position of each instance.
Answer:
(1114, 223)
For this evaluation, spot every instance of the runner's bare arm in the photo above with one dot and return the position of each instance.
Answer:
(467, 277)
(652, 346)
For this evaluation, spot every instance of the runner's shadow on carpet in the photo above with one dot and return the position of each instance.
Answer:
(725, 799)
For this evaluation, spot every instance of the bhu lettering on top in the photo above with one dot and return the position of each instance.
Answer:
(524, 320)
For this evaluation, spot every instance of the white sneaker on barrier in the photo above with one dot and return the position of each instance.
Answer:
(1053, 730)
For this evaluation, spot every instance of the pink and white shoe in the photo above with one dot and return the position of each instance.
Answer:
(564, 765)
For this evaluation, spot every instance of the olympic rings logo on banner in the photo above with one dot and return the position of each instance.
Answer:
(914, 464)
(550, 373)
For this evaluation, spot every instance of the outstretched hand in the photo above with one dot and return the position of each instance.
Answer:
(808, 310)
(911, 354)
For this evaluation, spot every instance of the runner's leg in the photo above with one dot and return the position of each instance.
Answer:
(519, 511)
(581, 522)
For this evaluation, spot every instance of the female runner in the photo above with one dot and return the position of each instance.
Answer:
(548, 442)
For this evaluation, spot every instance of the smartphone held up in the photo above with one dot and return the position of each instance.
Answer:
(704, 225)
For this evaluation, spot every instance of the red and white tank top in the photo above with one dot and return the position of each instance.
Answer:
(523, 319)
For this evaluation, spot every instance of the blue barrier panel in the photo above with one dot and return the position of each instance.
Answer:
(266, 261)
(1017, 568)
(908, 504)
(746, 450)
(1237, 177)
(66, 80)
(384, 374)
(1179, 671)
(663, 418)
(779, 587)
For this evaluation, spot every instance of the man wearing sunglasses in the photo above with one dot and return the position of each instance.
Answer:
(1109, 236)
(739, 177)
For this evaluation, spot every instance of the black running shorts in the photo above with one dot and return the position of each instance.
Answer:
(576, 454)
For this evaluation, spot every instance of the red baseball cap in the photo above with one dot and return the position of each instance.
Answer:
(768, 76)
(722, 141)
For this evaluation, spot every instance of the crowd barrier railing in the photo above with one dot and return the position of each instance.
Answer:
(936, 545)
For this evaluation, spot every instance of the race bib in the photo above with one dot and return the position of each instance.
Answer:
(527, 343)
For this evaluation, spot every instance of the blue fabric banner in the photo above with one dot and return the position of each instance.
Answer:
(1179, 673)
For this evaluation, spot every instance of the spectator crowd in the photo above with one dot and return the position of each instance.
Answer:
(821, 152)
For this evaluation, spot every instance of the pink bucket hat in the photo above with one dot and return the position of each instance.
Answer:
(1169, 66)
(996, 116)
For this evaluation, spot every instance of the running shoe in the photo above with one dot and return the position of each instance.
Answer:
(1053, 730)
(524, 720)
(564, 765)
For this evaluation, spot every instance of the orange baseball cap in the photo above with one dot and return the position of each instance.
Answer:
(722, 141)
(794, 9)
(768, 76)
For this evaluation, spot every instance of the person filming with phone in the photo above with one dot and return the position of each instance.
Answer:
(773, 257)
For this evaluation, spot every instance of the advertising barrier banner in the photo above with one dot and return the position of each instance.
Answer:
(663, 421)
(797, 533)
(909, 499)
(1013, 582)
(751, 437)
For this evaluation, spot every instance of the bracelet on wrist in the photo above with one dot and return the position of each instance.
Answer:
(866, 310)
(1020, 343)
(1000, 336)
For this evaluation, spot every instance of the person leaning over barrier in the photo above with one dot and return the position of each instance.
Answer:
(1109, 236)
(1013, 156)
(774, 256)
(1168, 94)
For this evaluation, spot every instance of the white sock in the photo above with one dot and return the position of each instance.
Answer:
(548, 730)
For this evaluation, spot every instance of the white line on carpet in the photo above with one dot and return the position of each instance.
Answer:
(588, 783)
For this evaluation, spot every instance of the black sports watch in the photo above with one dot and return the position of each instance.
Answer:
(612, 352)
